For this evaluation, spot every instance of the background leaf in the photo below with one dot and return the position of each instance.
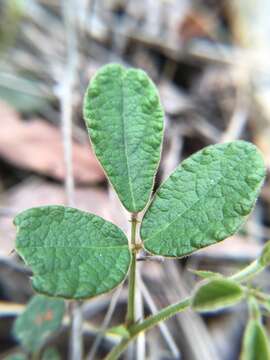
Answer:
(124, 119)
(205, 200)
(17, 356)
(216, 294)
(73, 254)
(42, 317)
(255, 342)
(51, 354)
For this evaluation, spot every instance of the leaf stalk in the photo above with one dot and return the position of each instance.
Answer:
(248, 272)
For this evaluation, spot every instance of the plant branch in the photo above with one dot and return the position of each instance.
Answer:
(136, 328)
(148, 324)
(248, 272)
(131, 313)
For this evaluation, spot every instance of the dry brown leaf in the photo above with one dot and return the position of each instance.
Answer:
(36, 145)
(196, 25)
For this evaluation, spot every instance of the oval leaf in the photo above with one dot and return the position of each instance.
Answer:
(41, 318)
(72, 254)
(216, 294)
(124, 119)
(255, 342)
(205, 200)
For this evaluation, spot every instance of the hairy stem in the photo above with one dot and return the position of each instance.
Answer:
(135, 329)
(147, 324)
(131, 313)
(248, 272)
(162, 315)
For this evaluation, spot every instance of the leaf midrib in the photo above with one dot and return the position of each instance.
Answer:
(124, 136)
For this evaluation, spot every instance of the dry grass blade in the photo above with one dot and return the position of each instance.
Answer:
(105, 324)
(162, 326)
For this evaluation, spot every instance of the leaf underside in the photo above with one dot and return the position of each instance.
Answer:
(205, 200)
(216, 294)
(124, 119)
(72, 254)
(255, 342)
(42, 317)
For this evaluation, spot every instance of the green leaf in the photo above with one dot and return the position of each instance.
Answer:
(205, 200)
(51, 354)
(73, 254)
(124, 119)
(41, 318)
(216, 294)
(17, 356)
(205, 274)
(255, 342)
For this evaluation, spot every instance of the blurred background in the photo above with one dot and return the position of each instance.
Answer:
(210, 61)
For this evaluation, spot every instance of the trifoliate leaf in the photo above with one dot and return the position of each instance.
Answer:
(255, 342)
(124, 119)
(216, 294)
(205, 200)
(73, 254)
(42, 317)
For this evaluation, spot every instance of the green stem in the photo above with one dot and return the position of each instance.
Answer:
(260, 296)
(131, 317)
(148, 324)
(254, 310)
(135, 329)
(248, 272)
(162, 315)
